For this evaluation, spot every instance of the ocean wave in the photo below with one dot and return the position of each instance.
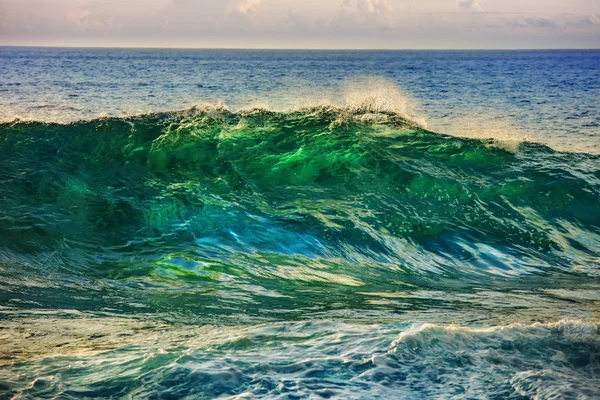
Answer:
(359, 95)
(368, 111)
(386, 120)
(254, 206)
(363, 94)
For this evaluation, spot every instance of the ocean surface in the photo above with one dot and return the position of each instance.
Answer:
(244, 224)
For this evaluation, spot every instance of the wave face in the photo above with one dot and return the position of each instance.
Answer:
(254, 217)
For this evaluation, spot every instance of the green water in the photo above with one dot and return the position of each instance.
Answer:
(343, 222)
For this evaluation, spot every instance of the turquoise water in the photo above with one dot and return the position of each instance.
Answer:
(339, 250)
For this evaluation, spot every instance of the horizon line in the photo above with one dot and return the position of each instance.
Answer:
(302, 48)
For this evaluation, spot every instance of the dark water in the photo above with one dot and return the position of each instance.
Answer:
(334, 250)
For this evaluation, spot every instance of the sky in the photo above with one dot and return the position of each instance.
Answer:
(319, 24)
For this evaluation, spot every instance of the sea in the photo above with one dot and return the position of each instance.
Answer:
(277, 224)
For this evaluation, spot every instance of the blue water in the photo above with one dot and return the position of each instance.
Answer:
(299, 224)
(547, 96)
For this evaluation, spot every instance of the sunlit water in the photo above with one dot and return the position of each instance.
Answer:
(302, 232)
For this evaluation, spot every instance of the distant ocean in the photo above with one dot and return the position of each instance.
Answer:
(246, 224)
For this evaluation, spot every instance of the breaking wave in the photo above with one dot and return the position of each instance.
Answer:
(268, 219)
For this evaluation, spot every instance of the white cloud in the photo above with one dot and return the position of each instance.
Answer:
(213, 18)
(534, 22)
(591, 19)
(371, 6)
(471, 5)
(370, 11)
(134, 15)
(244, 7)
(287, 23)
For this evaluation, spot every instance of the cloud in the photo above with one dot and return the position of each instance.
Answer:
(297, 20)
(585, 22)
(369, 11)
(591, 19)
(116, 15)
(44, 18)
(471, 5)
(213, 18)
(286, 23)
(373, 6)
(534, 22)
(243, 7)
(559, 23)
